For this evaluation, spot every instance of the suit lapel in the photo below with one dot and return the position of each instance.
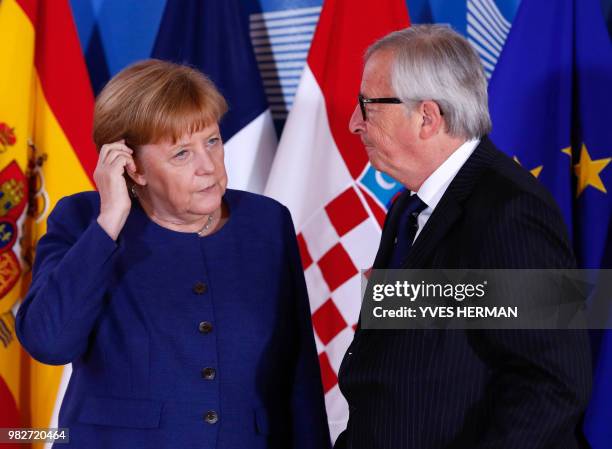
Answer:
(437, 226)
(450, 207)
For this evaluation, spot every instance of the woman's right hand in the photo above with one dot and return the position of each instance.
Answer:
(115, 203)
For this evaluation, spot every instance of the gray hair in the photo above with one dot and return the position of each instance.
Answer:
(433, 62)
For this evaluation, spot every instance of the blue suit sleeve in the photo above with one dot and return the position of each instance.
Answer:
(71, 272)
(310, 427)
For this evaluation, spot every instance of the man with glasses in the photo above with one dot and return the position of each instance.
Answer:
(422, 116)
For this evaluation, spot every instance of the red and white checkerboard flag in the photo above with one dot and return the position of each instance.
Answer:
(322, 174)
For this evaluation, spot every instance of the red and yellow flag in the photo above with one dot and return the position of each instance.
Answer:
(46, 152)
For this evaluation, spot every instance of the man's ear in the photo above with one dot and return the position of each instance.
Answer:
(432, 120)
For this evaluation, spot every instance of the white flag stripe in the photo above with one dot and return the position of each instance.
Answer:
(282, 52)
(283, 73)
(284, 102)
(337, 411)
(488, 61)
(308, 156)
(249, 154)
(493, 10)
(476, 43)
(502, 29)
(360, 246)
(290, 82)
(285, 91)
(487, 22)
(483, 43)
(288, 56)
(488, 66)
(317, 291)
(269, 24)
(283, 31)
(346, 302)
(485, 55)
(288, 13)
(282, 48)
(282, 65)
(320, 234)
(305, 146)
(278, 107)
(281, 98)
(487, 31)
(490, 38)
(269, 40)
(337, 347)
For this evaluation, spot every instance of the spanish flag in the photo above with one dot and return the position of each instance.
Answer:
(46, 152)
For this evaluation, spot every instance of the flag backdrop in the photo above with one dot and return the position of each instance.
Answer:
(548, 101)
(321, 172)
(213, 36)
(46, 152)
(550, 98)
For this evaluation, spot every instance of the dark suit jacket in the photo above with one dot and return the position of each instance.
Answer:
(472, 389)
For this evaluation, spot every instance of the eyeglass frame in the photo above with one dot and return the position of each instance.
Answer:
(382, 100)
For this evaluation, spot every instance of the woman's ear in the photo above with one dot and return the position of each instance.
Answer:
(137, 176)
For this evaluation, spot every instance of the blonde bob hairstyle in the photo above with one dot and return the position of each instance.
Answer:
(155, 101)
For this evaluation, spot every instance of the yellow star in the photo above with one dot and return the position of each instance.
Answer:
(534, 171)
(567, 151)
(587, 171)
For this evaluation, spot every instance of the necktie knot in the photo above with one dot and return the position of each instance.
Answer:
(415, 205)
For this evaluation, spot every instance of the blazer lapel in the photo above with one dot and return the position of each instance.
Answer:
(450, 208)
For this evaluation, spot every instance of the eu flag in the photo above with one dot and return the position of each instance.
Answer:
(550, 98)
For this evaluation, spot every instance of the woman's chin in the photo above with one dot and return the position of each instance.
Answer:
(206, 204)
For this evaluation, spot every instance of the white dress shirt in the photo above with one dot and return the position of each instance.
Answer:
(435, 185)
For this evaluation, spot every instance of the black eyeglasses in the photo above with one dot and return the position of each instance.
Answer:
(363, 101)
(385, 100)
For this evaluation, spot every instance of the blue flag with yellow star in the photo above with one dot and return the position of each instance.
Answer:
(550, 96)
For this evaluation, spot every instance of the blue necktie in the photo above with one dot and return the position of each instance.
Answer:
(406, 230)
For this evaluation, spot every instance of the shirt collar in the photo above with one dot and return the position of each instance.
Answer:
(435, 185)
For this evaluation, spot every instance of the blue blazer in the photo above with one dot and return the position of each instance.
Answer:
(177, 341)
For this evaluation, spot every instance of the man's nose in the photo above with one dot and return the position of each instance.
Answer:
(356, 123)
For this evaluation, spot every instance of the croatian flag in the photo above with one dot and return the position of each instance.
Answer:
(322, 174)
(213, 36)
